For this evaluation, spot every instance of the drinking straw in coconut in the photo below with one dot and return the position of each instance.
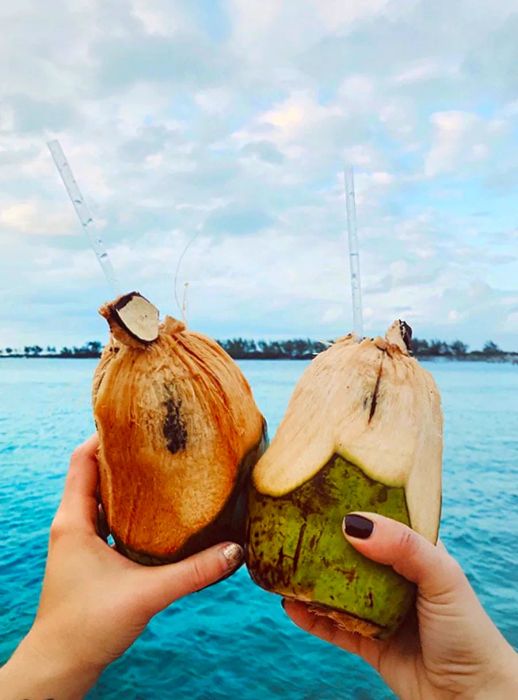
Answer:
(354, 254)
(184, 302)
(83, 213)
(179, 264)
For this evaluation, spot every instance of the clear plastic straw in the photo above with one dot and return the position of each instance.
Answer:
(83, 213)
(184, 301)
(354, 253)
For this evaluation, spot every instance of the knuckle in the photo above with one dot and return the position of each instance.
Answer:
(453, 569)
(78, 453)
(448, 578)
(409, 543)
(58, 527)
(198, 576)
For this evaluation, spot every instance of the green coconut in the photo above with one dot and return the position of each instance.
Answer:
(363, 432)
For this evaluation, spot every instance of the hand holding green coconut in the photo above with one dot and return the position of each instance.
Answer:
(95, 602)
(363, 431)
(448, 647)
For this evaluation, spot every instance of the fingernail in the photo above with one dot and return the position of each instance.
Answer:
(233, 553)
(357, 526)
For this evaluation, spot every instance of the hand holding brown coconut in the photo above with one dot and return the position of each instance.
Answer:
(179, 431)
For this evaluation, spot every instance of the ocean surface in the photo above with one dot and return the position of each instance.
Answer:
(233, 640)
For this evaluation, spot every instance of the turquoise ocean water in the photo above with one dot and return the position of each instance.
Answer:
(233, 640)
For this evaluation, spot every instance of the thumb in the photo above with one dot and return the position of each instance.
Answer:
(390, 542)
(165, 584)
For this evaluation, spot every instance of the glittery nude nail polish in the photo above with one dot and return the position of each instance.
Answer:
(233, 553)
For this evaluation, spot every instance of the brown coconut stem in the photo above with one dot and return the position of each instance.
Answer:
(400, 334)
(133, 320)
(172, 326)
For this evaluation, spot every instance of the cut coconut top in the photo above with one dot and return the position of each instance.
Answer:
(134, 316)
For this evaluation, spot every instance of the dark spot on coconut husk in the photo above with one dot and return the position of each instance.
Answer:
(351, 574)
(229, 525)
(298, 547)
(174, 427)
(374, 401)
(382, 494)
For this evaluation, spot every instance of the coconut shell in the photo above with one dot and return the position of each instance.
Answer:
(362, 432)
(179, 431)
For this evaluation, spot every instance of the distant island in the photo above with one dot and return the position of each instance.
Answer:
(295, 349)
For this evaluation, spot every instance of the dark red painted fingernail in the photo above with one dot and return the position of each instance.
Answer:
(358, 526)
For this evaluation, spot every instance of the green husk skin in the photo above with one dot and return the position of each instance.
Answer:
(229, 525)
(295, 546)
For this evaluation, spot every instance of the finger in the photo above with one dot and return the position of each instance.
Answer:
(440, 545)
(324, 628)
(79, 503)
(164, 584)
(411, 555)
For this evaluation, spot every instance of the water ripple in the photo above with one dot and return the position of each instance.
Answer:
(233, 640)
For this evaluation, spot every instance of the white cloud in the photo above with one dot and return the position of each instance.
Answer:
(425, 69)
(337, 15)
(333, 314)
(237, 119)
(460, 139)
(293, 119)
(35, 218)
(159, 17)
(214, 100)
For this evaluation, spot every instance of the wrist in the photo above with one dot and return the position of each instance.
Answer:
(40, 668)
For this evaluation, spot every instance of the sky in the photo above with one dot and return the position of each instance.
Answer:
(224, 126)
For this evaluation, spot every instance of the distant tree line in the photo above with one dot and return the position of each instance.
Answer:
(91, 349)
(294, 349)
(302, 349)
(456, 349)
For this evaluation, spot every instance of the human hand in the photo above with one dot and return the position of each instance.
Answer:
(95, 602)
(448, 647)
